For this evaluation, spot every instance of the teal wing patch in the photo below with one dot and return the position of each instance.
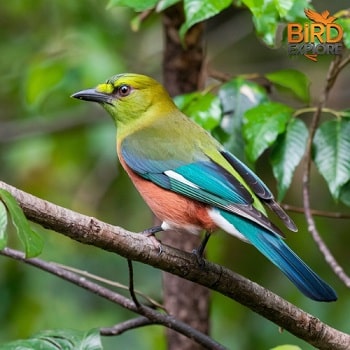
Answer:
(203, 180)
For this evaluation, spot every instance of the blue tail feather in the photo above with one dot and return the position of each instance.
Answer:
(273, 247)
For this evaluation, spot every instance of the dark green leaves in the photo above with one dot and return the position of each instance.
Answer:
(262, 125)
(268, 15)
(137, 5)
(58, 340)
(332, 153)
(287, 154)
(31, 240)
(204, 109)
(197, 11)
(292, 80)
(247, 123)
(236, 97)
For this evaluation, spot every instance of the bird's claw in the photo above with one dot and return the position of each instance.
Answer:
(199, 258)
(150, 233)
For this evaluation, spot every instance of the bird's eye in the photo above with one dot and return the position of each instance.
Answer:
(124, 90)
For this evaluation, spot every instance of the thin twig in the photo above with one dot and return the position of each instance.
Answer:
(153, 302)
(131, 284)
(316, 212)
(126, 326)
(153, 315)
(335, 67)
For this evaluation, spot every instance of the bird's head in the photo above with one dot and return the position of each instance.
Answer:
(128, 97)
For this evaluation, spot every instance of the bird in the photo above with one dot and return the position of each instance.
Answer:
(190, 181)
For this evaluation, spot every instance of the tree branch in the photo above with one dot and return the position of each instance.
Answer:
(137, 247)
(316, 212)
(126, 326)
(335, 68)
(153, 316)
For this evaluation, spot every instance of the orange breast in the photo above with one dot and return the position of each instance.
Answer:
(169, 206)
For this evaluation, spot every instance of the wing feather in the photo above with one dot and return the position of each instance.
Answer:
(204, 181)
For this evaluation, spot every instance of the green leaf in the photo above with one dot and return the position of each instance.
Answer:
(136, 5)
(204, 109)
(345, 194)
(236, 97)
(197, 11)
(287, 154)
(268, 15)
(296, 12)
(345, 24)
(331, 153)
(58, 340)
(287, 347)
(32, 241)
(3, 225)
(164, 4)
(262, 125)
(265, 18)
(42, 78)
(283, 6)
(293, 80)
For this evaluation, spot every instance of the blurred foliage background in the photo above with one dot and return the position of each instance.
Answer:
(64, 151)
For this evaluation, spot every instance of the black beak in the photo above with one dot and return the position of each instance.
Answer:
(93, 95)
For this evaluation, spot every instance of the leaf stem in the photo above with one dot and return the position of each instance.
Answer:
(337, 114)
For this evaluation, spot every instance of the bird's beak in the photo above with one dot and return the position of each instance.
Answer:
(93, 95)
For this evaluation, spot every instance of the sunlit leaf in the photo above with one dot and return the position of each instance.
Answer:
(137, 5)
(197, 11)
(265, 18)
(236, 97)
(3, 225)
(32, 241)
(292, 79)
(58, 340)
(268, 14)
(331, 153)
(262, 125)
(164, 4)
(345, 24)
(283, 6)
(287, 154)
(286, 347)
(204, 109)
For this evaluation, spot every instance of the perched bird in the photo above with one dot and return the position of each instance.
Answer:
(190, 182)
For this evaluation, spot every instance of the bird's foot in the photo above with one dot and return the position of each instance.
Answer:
(150, 232)
(199, 252)
(199, 257)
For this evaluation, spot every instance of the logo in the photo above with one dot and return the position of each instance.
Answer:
(319, 36)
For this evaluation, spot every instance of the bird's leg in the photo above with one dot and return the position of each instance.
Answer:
(150, 232)
(200, 250)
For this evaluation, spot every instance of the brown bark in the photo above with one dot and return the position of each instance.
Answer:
(182, 64)
(140, 248)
